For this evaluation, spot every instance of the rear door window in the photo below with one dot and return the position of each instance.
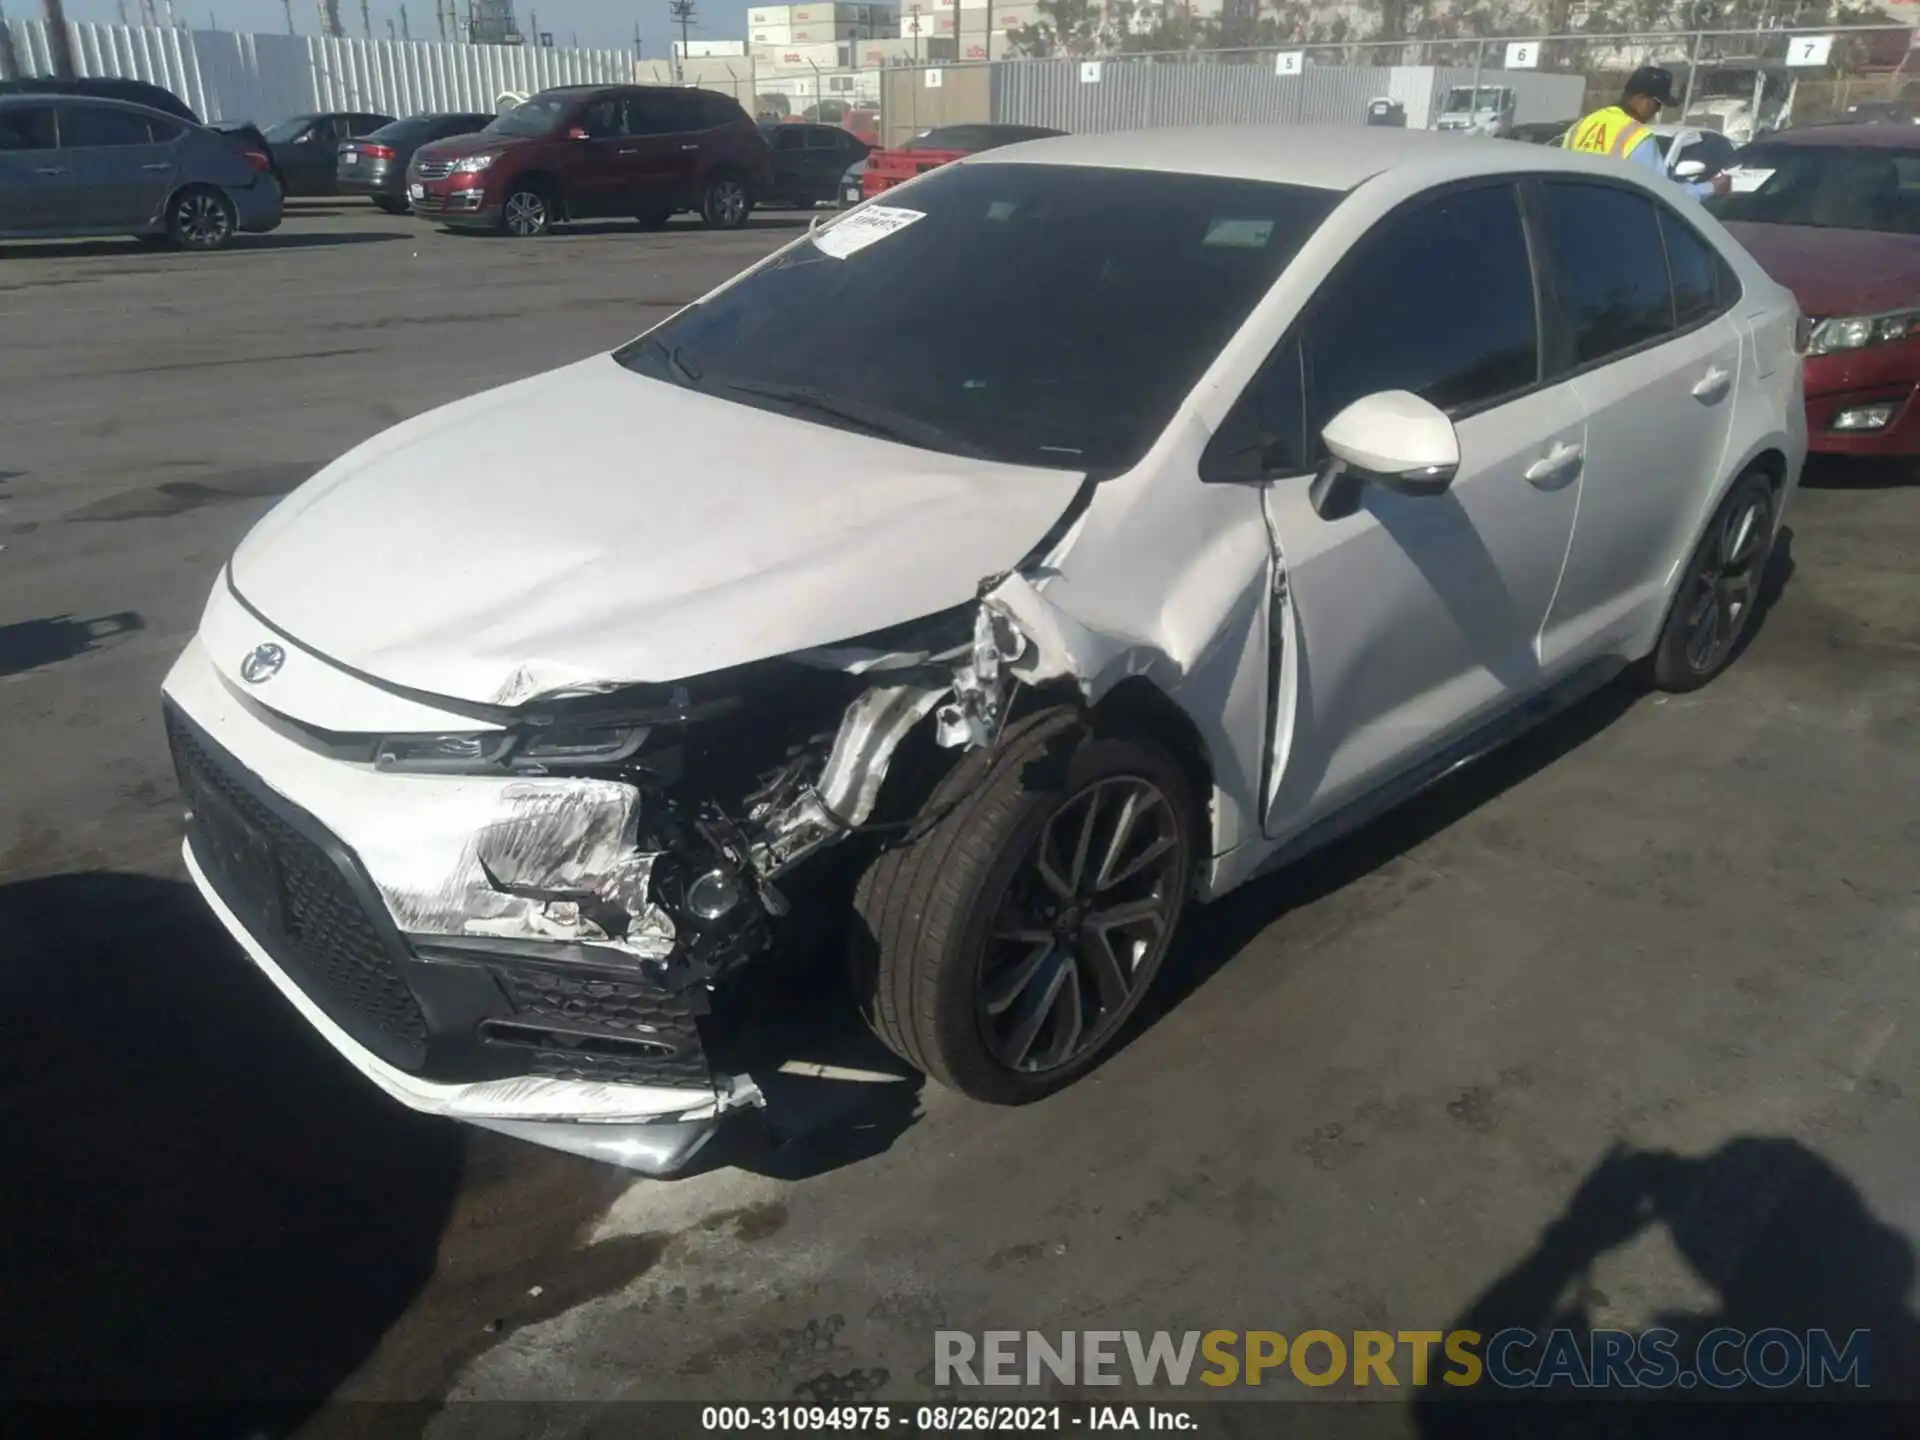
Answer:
(658, 112)
(1696, 271)
(27, 127)
(1610, 267)
(86, 127)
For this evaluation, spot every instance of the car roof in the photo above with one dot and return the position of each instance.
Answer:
(1858, 137)
(22, 99)
(1317, 157)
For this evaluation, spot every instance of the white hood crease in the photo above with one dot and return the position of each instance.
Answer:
(658, 534)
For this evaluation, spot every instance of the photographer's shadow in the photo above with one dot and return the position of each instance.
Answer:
(1781, 1237)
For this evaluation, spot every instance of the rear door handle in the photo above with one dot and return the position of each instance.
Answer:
(1712, 385)
(689, 147)
(163, 166)
(51, 170)
(1557, 461)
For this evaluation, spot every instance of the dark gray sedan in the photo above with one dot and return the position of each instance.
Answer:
(72, 167)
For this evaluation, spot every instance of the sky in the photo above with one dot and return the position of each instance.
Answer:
(593, 22)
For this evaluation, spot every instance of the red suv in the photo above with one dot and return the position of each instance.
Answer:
(588, 151)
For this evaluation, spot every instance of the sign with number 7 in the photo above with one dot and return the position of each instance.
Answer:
(1809, 49)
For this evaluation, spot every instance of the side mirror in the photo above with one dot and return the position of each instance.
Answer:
(1689, 169)
(1392, 439)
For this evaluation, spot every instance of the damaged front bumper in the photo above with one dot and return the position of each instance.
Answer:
(523, 950)
(584, 1048)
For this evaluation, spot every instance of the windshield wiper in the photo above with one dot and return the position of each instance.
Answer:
(883, 424)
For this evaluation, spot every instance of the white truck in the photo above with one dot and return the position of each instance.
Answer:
(1488, 112)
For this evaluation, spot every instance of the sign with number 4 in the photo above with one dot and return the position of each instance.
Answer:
(1289, 62)
(1809, 49)
(1523, 55)
(1089, 72)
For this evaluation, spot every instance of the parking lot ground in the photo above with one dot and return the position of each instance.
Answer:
(1365, 1092)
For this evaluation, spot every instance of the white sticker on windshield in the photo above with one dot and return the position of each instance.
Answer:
(1742, 181)
(862, 228)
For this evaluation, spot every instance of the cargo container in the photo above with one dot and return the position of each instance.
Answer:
(806, 58)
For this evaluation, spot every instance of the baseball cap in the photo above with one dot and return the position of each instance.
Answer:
(1654, 81)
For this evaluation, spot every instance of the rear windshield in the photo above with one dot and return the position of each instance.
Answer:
(1825, 186)
(282, 132)
(1037, 314)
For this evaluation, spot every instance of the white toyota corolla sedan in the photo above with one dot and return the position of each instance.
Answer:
(988, 574)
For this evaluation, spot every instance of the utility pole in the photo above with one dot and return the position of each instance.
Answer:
(681, 10)
(59, 41)
(121, 5)
(405, 33)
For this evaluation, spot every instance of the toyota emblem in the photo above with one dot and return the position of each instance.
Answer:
(263, 662)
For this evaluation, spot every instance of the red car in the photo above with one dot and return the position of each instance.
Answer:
(1833, 213)
(591, 151)
(940, 146)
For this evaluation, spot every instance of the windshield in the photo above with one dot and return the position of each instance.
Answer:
(1825, 186)
(532, 117)
(283, 132)
(1035, 314)
(1459, 99)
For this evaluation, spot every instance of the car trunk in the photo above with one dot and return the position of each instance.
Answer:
(888, 168)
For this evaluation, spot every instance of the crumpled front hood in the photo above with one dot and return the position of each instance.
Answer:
(1836, 272)
(591, 526)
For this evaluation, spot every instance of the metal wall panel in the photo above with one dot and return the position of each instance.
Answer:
(263, 78)
(1137, 94)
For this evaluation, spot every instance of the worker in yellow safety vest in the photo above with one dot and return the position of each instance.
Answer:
(1621, 130)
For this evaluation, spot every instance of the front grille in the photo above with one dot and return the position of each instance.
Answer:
(297, 901)
(654, 1034)
(432, 169)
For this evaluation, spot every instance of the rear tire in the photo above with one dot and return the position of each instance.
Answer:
(1714, 607)
(950, 922)
(526, 211)
(725, 202)
(200, 218)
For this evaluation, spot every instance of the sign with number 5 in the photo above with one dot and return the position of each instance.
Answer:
(1809, 49)
(1289, 62)
(1523, 55)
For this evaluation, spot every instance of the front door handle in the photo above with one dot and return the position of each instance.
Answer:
(1557, 461)
(164, 165)
(627, 150)
(51, 170)
(1712, 385)
(689, 147)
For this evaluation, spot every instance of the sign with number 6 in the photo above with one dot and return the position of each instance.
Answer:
(1523, 55)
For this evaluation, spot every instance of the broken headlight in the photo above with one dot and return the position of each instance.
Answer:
(526, 747)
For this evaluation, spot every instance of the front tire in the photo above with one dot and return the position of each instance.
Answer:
(1714, 608)
(1003, 949)
(388, 205)
(526, 212)
(200, 218)
(724, 202)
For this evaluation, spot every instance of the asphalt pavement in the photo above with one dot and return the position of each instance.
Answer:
(1364, 1090)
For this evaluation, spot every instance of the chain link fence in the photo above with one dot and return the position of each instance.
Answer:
(1528, 87)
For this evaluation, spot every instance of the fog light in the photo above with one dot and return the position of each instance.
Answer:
(714, 894)
(1864, 417)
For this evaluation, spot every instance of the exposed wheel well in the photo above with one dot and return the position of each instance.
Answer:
(1136, 706)
(1773, 465)
(542, 182)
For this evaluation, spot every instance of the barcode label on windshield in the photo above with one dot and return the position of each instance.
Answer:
(862, 228)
